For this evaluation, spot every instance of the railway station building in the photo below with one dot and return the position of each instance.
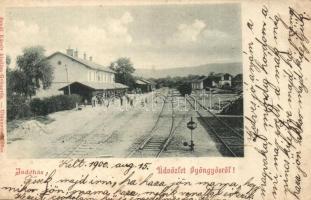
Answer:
(218, 80)
(199, 83)
(144, 85)
(76, 75)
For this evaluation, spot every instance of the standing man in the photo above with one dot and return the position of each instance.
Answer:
(93, 101)
(121, 100)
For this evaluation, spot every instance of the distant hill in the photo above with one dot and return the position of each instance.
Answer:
(231, 68)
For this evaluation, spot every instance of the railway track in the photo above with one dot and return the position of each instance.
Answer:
(83, 144)
(160, 136)
(230, 140)
(89, 142)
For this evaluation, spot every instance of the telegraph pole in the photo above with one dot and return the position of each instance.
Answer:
(69, 92)
(210, 99)
(218, 103)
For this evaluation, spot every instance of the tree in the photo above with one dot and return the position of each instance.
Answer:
(124, 70)
(35, 71)
(184, 89)
(7, 60)
(16, 83)
(17, 106)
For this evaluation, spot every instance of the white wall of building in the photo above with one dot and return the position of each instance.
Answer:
(77, 71)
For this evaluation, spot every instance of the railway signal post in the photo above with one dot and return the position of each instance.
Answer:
(191, 125)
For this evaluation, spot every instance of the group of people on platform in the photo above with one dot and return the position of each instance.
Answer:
(99, 100)
(120, 98)
(108, 98)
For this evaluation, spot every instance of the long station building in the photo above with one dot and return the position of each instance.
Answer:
(75, 75)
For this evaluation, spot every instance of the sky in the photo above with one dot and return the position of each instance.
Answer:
(157, 36)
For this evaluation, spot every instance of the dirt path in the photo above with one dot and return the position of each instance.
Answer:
(91, 132)
(108, 132)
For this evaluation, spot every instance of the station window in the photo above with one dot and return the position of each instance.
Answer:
(98, 76)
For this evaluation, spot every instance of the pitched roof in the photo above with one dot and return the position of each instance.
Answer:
(84, 62)
(199, 79)
(144, 82)
(221, 74)
(140, 82)
(97, 86)
(218, 74)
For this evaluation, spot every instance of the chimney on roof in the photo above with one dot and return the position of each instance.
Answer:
(76, 53)
(91, 58)
(69, 52)
(84, 56)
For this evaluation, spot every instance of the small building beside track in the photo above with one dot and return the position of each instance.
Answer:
(144, 85)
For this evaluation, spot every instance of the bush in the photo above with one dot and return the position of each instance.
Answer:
(226, 86)
(234, 108)
(17, 107)
(54, 104)
(37, 106)
(184, 89)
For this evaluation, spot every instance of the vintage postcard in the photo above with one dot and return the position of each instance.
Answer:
(156, 100)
